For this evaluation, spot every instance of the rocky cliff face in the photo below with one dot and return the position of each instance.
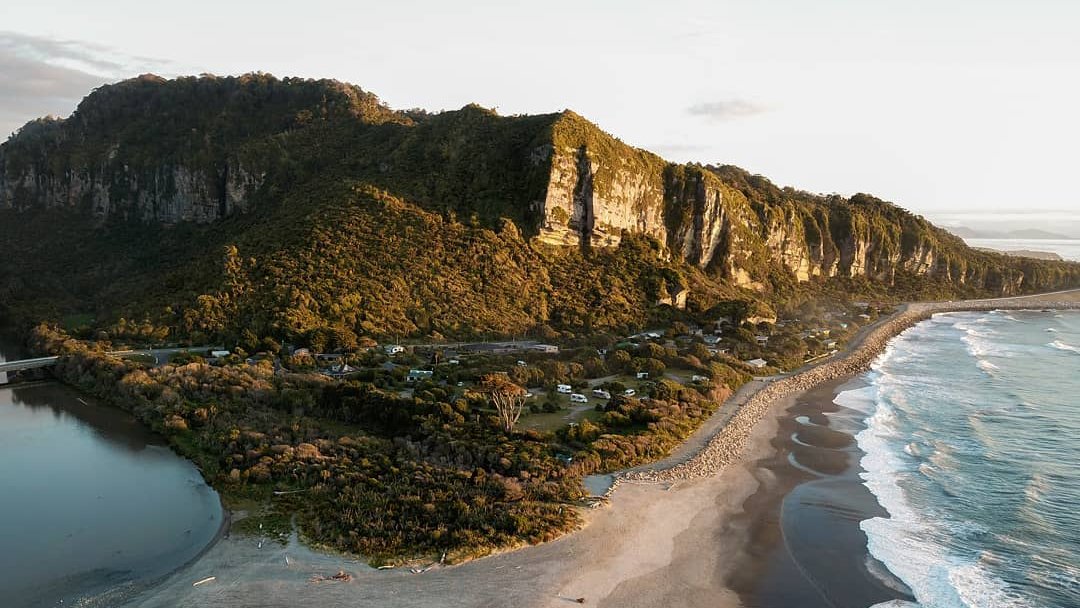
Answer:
(168, 193)
(199, 150)
(741, 227)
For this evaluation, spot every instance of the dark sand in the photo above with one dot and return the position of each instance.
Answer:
(804, 547)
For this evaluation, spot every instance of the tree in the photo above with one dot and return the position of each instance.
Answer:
(507, 398)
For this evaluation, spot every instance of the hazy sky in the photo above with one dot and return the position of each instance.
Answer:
(942, 106)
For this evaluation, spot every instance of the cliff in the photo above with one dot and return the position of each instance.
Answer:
(189, 165)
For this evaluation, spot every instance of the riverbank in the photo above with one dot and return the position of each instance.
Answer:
(670, 535)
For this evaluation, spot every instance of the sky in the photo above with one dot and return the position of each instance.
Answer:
(951, 108)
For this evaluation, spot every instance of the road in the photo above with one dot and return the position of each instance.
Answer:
(25, 364)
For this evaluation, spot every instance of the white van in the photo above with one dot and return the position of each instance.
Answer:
(565, 389)
(601, 394)
(629, 392)
(578, 398)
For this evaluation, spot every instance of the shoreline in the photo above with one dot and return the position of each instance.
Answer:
(806, 547)
(678, 523)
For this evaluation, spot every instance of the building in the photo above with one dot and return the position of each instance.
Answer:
(550, 349)
(419, 375)
(218, 354)
(756, 363)
(393, 349)
(762, 340)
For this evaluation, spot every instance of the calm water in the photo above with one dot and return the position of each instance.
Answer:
(91, 504)
(1068, 249)
(971, 446)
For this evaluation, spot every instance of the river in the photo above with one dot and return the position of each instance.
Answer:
(93, 506)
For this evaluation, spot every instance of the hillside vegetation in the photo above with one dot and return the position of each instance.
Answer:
(201, 208)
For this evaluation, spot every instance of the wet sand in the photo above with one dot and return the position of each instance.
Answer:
(805, 547)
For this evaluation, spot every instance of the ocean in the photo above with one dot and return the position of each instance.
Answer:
(1068, 249)
(972, 446)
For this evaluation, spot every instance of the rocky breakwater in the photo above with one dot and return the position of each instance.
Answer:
(726, 447)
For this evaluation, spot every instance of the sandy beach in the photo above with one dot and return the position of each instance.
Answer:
(672, 534)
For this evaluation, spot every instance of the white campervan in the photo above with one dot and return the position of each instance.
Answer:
(565, 389)
(578, 398)
(601, 394)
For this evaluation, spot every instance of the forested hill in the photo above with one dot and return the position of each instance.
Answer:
(308, 210)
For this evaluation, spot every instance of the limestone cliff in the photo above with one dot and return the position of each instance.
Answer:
(201, 149)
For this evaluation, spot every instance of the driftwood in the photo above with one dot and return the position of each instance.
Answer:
(341, 577)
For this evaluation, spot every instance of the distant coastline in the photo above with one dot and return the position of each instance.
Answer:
(1043, 249)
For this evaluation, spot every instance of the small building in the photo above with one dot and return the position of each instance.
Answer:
(550, 349)
(393, 349)
(830, 344)
(218, 354)
(522, 363)
(757, 363)
(697, 378)
(643, 375)
(419, 375)
(301, 352)
(761, 340)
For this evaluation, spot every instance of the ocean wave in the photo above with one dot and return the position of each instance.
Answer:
(987, 366)
(905, 541)
(1058, 344)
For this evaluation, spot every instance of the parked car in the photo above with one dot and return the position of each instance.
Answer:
(629, 392)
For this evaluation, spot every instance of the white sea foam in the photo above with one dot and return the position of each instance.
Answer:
(905, 541)
(987, 366)
(1058, 344)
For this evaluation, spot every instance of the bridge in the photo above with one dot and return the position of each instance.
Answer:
(26, 364)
